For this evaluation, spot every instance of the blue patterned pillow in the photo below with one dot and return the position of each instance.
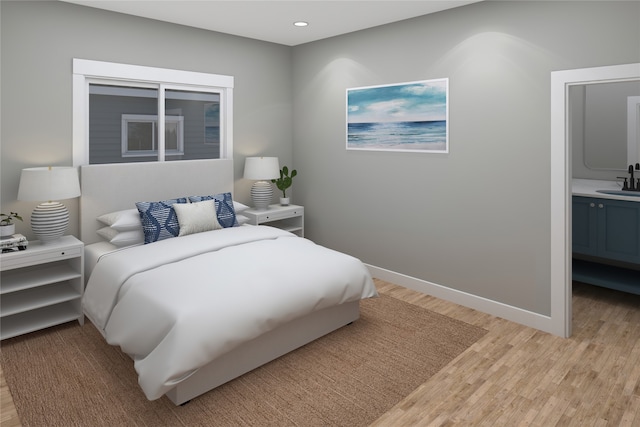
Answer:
(159, 219)
(224, 208)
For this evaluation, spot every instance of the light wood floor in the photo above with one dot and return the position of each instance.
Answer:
(518, 376)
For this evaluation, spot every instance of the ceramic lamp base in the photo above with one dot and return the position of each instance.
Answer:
(261, 194)
(49, 221)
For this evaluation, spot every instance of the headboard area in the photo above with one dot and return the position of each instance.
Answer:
(112, 187)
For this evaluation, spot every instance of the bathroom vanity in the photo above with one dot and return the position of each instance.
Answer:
(606, 235)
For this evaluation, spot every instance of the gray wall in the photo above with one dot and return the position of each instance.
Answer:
(476, 219)
(39, 41)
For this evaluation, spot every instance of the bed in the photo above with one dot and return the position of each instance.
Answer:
(201, 309)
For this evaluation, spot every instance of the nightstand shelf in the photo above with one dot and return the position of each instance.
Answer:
(34, 320)
(20, 279)
(34, 298)
(289, 218)
(41, 286)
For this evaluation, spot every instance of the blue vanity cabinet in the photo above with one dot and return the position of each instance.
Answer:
(584, 226)
(606, 228)
(619, 230)
(607, 232)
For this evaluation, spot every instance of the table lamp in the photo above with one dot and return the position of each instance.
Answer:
(263, 170)
(50, 219)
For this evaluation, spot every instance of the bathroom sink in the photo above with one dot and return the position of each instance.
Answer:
(620, 192)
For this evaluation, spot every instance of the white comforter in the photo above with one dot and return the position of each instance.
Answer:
(177, 304)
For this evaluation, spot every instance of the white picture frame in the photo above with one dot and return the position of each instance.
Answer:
(408, 117)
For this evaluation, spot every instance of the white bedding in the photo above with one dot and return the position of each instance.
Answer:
(93, 252)
(177, 304)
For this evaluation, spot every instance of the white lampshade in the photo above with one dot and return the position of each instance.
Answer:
(48, 184)
(49, 219)
(261, 169)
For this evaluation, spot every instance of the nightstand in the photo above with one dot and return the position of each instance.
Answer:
(290, 217)
(41, 286)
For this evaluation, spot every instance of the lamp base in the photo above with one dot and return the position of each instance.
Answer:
(49, 221)
(261, 194)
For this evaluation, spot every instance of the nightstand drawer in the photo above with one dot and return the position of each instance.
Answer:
(281, 214)
(25, 258)
(289, 218)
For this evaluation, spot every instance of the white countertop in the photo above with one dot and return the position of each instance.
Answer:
(588, 187)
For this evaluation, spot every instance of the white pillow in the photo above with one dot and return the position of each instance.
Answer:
(122, 238)
(196, 217)
(239, 208)
(125, 220)
(242, 219)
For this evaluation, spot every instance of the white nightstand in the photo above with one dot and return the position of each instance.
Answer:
(41, 286)
(290, 218)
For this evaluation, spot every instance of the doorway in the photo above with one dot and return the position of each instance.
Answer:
(561, 176)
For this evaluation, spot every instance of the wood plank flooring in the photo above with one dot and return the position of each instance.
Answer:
(519, 376)
(8, 414)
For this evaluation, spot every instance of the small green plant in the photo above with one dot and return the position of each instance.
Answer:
(8, 219)
(285, 180)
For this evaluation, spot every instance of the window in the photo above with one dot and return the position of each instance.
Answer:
(125, 113)
(139, 135)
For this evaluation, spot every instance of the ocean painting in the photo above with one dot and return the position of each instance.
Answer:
(401, 117)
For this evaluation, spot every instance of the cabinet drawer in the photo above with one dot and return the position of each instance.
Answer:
(273, 216)
(25, 258)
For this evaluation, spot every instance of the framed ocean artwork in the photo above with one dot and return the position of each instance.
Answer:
(412, 117)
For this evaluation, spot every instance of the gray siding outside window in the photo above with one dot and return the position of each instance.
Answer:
(200, 112)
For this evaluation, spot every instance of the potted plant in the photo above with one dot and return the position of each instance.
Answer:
(7, 227)
(284, 182)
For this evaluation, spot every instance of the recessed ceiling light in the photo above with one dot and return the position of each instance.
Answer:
(300, 24)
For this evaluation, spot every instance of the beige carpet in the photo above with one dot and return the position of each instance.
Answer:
(68, 375)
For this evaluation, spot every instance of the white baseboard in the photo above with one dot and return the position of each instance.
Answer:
(498, 309)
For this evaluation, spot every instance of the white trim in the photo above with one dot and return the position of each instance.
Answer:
(561, 283)
(226, 124)
(633, 129)
(494, 308)
(80, 131)
(162, 154)
(85, 71)
(114, 70)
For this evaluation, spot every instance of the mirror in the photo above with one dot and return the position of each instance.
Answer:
(610, 124)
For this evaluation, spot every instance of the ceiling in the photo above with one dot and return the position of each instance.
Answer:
(272, 21)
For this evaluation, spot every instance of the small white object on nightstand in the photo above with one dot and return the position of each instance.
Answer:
(290, 217)
(41, 286)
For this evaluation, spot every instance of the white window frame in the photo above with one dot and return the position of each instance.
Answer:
(88, 71)
(145, 118)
